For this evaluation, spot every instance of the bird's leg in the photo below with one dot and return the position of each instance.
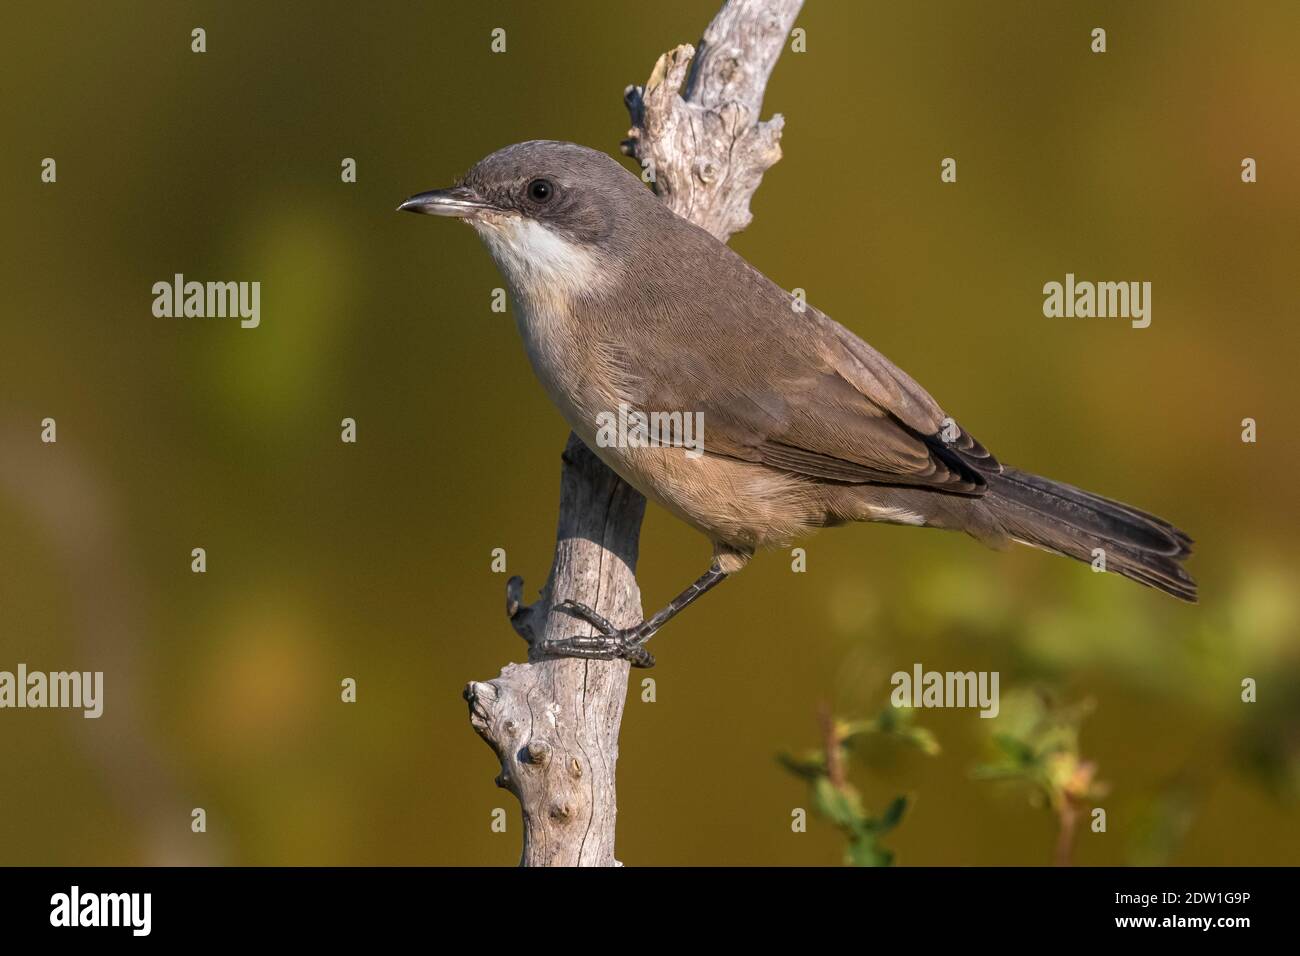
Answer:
(628, 643)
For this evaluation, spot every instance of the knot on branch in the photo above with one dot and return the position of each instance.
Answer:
(482, 699)
(500, 713)
(696, 134)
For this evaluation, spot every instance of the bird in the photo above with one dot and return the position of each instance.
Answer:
(624, 306)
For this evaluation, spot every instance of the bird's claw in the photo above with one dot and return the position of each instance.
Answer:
(588, 614)
(611, 643)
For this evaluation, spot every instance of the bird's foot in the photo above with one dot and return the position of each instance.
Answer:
(611, 643)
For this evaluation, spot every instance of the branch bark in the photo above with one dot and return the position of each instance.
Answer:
(554, 723)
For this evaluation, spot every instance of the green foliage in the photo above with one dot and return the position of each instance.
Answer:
(1107, 634)
(839, 801)
(1036, 739)
(897, 723)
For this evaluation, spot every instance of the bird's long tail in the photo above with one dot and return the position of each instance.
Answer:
(1067, 520)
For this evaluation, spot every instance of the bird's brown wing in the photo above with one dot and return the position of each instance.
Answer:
(808, 397)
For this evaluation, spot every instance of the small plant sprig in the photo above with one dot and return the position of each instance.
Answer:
(1037, 739)
(838, 800)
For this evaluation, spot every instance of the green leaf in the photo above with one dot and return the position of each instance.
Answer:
(865, 852)
(897, 723)
(809, 766)
(841, 806)
(860, 728)
(1015, 748)
(923, 739)
(892, 815)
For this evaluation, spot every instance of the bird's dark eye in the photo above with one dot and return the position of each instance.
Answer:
(541, 190)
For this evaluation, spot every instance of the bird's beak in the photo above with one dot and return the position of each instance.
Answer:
(458, 201)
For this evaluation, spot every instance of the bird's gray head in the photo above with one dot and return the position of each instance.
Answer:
(551, 213)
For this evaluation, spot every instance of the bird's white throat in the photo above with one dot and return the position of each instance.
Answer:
(540, 263)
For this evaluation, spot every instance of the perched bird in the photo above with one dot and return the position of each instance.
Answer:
(622, 304)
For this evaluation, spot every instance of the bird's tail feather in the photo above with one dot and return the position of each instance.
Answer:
(1067, 520)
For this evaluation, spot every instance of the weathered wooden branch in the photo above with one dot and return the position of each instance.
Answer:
(554, 723)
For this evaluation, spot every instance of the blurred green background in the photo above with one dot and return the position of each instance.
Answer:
(371, 561)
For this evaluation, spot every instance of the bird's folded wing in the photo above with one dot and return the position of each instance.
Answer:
(814, 400)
